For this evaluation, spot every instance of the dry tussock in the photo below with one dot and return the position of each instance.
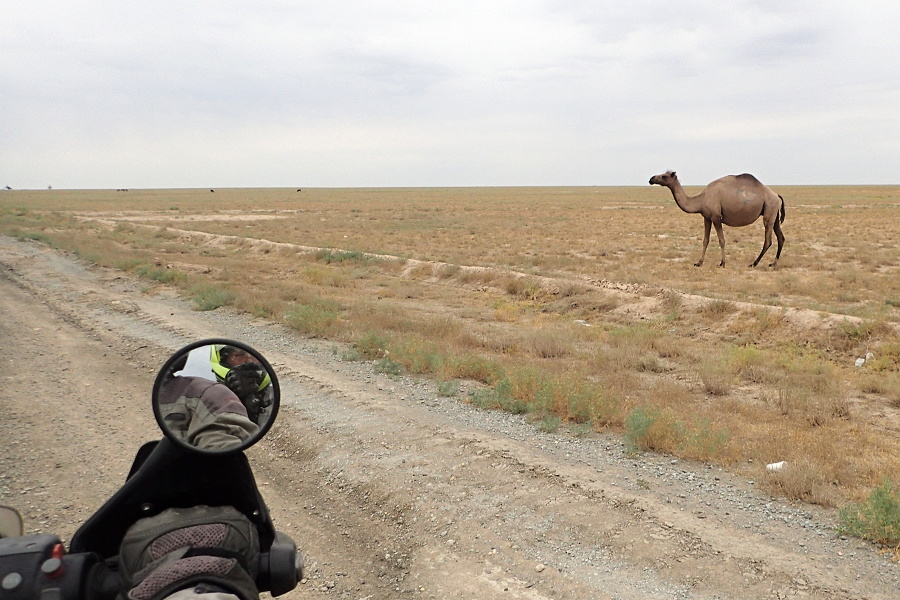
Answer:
(816, 410)
(883, 384)
(587, 305)
(549, 344)
(752, 365)
(716, 376)
(803, 479)
(716, 309)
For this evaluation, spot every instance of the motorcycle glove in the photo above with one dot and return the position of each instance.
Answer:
(207, 549)
(244, 380)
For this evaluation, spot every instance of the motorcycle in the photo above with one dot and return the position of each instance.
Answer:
(199, 462)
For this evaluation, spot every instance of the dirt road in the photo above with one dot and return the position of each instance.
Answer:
(391, 490)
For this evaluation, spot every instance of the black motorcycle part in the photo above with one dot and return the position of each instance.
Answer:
(172, 477)
(30, 569)
(281, 568)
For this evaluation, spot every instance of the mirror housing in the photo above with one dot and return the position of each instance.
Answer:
(11, 523)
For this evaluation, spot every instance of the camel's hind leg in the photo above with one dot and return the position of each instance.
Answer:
(768, 241)
(780, 236)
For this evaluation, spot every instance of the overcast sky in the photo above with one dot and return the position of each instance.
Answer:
(335, 93)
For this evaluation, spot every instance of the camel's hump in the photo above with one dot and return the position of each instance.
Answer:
(746, 177)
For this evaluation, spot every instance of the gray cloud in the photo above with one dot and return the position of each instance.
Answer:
(272, 93)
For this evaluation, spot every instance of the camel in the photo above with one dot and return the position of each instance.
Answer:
(733, 200)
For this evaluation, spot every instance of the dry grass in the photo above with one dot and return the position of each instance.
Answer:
(576, 304)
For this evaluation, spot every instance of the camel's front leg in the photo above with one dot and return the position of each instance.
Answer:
(707, 225)
(721, 241)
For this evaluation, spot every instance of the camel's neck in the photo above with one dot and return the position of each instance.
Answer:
(689, 204)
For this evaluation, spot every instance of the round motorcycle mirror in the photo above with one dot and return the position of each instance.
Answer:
(215, 396)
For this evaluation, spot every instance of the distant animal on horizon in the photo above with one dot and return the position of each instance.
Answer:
(212, 191)
(733, 200)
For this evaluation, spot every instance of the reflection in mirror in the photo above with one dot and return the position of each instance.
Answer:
(216, 397)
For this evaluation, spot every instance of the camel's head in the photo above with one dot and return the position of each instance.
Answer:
(666, 179)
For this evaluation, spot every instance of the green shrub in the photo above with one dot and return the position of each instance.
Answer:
(638, 426)
(549, 424)
(316, 319)
(582, 429)
(339, 256)
(474, 367)
(387, 366)
(578, 400)
(484, 398)
(351, 355)
(703, 441)
(508, 401)
(418, 356)
(877, 518)
(37, 237)
(653, 429)
(210, 298)
(126, 264)
(91, 257)
(372, 345)
(161, 274)
(447, 389)
(857, 331)
(499, 398)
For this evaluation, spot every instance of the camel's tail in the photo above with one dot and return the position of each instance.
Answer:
(783, 213)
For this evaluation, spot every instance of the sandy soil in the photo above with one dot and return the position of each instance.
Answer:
(390, 490)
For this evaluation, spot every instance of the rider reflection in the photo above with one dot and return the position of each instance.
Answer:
(246, 377)
(204, 413)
